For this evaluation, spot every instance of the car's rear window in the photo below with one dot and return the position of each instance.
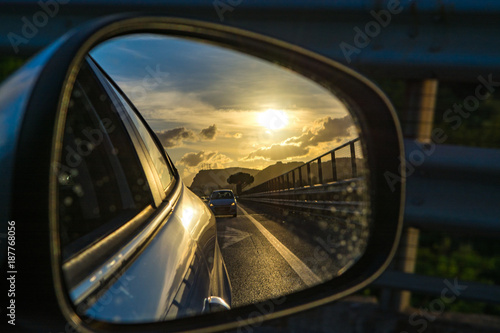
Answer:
(222, 195)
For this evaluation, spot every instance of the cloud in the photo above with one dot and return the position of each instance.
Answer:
(278, 152)
(233, 135)
(323, 130)
(209, 132)
(175, 137)
(215, 159)
(193, 159)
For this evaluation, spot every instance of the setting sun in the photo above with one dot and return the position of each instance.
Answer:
(208, 119)
(273, 119)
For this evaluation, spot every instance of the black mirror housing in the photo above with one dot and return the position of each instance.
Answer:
(43, 298)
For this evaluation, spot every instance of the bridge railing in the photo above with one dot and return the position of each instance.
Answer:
(328, 184)
(322, 192)
(337, 164)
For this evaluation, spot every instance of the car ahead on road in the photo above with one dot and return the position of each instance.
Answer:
(223, 202)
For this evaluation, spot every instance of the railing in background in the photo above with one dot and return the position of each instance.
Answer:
(329, 184)
(339, 163)
(325, 188)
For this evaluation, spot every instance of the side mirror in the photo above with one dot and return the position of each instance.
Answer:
(104, 216)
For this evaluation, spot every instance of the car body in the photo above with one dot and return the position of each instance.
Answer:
(116, 188)
(223, 202)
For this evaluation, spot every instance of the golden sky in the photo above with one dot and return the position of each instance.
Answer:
(217, 108)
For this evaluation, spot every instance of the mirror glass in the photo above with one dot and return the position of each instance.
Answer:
(194, 178)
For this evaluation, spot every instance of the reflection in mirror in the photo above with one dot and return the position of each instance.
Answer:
(194, 178)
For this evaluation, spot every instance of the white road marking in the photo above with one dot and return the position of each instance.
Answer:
(304, 272)
(232, 236)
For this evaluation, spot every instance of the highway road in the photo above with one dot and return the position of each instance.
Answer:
(268, 255)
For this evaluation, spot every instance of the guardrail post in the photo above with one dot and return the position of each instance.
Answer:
(308, 167)
(300, 177)
(417, 123)
(353, 161)
(334, 166)
(293, 179)
(404, 261)
(320, 171)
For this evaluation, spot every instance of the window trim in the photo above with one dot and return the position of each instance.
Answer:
(78, 266)
(95, 235)
(140, 148)
(103, 275)
(165, 193)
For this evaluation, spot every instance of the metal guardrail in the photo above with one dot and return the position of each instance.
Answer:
(423, 27)
(467, 290)
(328, 184)
(426, 208)
(452, 189)
(339, 200)
(314, 172)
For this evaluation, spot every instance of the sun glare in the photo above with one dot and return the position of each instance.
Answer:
(273, 119)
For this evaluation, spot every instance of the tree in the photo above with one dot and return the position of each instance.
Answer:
(240, 179)
(8, 64)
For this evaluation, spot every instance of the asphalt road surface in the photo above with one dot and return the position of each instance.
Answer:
(267, 257)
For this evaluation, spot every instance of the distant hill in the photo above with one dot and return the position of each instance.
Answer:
(273, 171)
(206, 181)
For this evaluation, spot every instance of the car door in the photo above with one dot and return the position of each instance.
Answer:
(207, 274)
(124, 214)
